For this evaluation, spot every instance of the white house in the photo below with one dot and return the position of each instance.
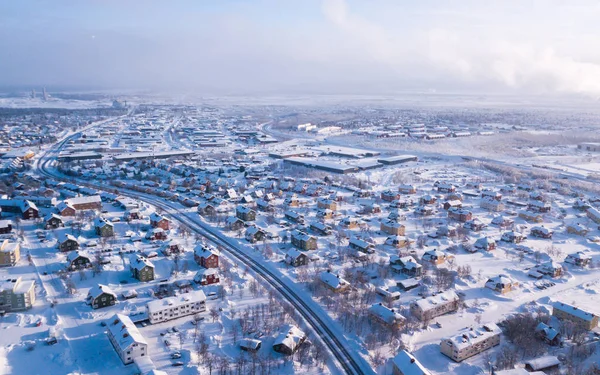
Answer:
(405, 363)
(126, 339)
(161, 310)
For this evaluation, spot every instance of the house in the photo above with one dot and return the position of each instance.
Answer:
(530, 216)
(321, 228)
(324, 214)
(594, 215)
(76, 260)
(207, 276)
(538, 206)
(407, 189)
(206, 209)
(206, 256)
(292, 201)
(582, 318)
(491, 204)
(334, 281)
(245, 213)
(303, 240)
(580, 259)
(427, 199)
(294, 216)
(361, 245)
(487, 194)
(263, 205)
(141, 268)
(501, 284)
(485, 244)
(27, 209)
(446, 231)
(452, 204)
(428, 308)
(446, 188)
(397, 241)
(513, 237)
(250, 345)
(10, 253)
(392, 227)
(435, 257)
(327, 204)
(542, 232)
(126, 339)
(425, 210)
(503, 221)
(161, 310)
(475, 225)
(254, 234)
(406, 265)
(401, 203)
(405, 363)
(547, 333)
(156, 234)
(65, 209)
(389, 196)
(159, 221)
(386, 316)
(460, 214)
(16, 294)
(53, 221)
(548, 363)
(471, 342)
(296, 258)
(247, 199)
(578, 229)
(549, 268)
(289, 340)
(103, 227)
(231, 194)
(93, 202)
(5, 226)
(233, 223)
(349, 223)
(101, 296)
(67, 242)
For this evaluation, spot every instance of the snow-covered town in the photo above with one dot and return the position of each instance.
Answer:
(187, 238)
(299, 187)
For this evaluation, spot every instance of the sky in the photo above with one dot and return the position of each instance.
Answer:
(304, 46)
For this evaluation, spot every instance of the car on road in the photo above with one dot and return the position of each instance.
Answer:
(177, 363)
(176, 355)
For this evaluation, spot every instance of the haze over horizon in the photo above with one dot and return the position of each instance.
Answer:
(328, 46)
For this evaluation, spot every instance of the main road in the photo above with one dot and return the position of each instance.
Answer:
(347, 359)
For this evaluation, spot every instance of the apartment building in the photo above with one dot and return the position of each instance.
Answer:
(428, 308)
(16, 294)
(10, 253)
(170, 308)
(471, 342)
(126, 339)
(576, 315)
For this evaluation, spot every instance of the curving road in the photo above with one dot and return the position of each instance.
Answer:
(348, 360)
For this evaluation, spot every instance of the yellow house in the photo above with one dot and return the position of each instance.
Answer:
(10, 253)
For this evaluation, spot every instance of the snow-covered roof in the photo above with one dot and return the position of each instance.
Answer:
(205, 251)
(125, 332)
(98, 290)
(139, 262)
(500, 279)
(543, 362)
(291, 336)
(439, 299)
(574, 311)
(84, 200)
(100, 222)
(409, 365)
(62, 237)
(388, 315)
(333, 280)
(473, 336)
(360, 243)
(172, 302)
(76, 254)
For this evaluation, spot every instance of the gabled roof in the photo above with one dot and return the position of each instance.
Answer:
(100, 289)
(76, 254)
(333, 280)
(291, 336)
(409, 365)
(205, 251)
(139, 262)
(125, 332)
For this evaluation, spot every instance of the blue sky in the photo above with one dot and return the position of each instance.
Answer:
(295, 46)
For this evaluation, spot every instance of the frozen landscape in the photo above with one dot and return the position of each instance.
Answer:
(299, 187)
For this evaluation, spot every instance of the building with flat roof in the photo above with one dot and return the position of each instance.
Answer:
(16, 294)
(471, 342)
(161, 310)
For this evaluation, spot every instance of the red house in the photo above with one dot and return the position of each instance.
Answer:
(159, 221)
(207, 276)
(206, 256)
